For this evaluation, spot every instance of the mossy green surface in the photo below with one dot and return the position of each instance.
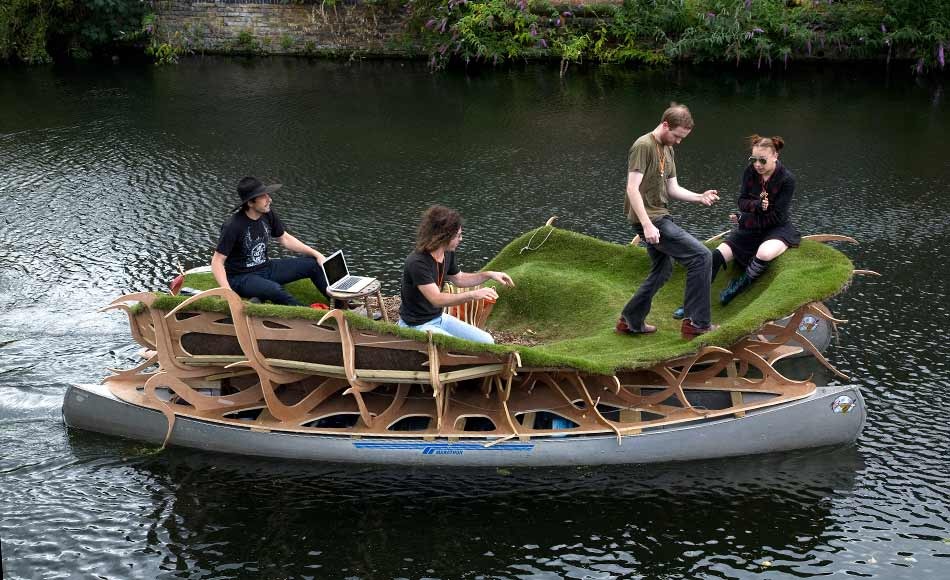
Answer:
(569, 293)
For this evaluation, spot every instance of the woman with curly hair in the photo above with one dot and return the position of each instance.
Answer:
(429, 267)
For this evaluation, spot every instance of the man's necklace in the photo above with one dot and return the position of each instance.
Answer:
(661, 156)
(439, 268)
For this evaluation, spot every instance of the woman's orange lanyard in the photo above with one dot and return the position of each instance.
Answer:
(441, 273)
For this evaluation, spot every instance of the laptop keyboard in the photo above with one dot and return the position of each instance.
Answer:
(347, 282)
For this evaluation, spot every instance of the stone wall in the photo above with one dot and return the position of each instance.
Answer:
(264, 26)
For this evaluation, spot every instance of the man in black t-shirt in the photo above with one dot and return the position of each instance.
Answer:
(429, 266)
(240, 260)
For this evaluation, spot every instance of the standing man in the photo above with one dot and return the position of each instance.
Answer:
(651, 181)
(240, 261)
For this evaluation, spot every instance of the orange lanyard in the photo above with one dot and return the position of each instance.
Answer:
(441, 273)
(661, 155)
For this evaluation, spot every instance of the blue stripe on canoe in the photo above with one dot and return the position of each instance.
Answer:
(440, 448)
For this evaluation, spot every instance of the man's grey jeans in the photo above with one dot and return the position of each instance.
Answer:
(675, 244)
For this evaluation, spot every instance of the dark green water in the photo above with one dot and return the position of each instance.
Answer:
(107, 175)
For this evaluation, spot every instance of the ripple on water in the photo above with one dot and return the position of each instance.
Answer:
(115, 175)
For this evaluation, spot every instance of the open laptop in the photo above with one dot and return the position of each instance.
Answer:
(338, 275)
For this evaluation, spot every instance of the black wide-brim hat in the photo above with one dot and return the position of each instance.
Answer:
(251, 187)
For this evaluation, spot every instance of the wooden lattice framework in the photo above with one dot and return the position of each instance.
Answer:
(325, 376)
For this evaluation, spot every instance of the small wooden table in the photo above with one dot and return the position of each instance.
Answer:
(371, 290)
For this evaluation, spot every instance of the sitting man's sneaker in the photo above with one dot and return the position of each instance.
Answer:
(679, 313)
(690, 331)
(623, 328)
(735, 287)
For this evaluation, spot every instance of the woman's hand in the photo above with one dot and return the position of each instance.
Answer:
(765, 203)
(484, 294)
(501, 278)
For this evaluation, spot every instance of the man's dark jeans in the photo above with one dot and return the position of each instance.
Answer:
(267, 283)
(674, 244)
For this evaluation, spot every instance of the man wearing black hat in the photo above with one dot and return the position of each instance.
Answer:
(240, 261)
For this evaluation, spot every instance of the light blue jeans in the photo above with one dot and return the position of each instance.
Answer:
(448, 324)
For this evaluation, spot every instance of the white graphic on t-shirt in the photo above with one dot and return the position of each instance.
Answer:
(255, 249)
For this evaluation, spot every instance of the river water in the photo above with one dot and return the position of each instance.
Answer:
(108, 175)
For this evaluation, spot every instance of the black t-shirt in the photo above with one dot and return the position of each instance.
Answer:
(244, 241)
(421, 269)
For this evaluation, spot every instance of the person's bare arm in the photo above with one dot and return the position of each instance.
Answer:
(217, 270)
(442, 299)
(294, 245)
(677, 191)
(650, 232)
(469, 279)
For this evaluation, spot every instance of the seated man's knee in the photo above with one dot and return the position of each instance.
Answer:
(275, 293)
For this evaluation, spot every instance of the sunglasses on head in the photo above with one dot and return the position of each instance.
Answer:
(760, 160)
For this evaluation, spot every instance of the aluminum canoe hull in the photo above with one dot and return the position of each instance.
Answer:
(815, 421)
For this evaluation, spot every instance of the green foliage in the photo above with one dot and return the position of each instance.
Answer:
(483, 30)
(286, 42)
(163, 53)
(245, 42)
(759, 32)
(35, 31)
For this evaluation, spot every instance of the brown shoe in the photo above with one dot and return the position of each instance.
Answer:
(690, 331)
(623, 328)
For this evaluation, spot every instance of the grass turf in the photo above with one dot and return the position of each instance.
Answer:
(570, 291)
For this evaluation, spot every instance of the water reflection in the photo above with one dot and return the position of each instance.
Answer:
(295, 519)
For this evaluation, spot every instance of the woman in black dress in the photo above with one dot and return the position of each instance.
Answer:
(764, 226)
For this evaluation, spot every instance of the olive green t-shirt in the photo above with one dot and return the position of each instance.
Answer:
(645, 158)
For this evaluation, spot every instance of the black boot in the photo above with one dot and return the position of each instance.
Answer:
(734, 288)
(755, 269)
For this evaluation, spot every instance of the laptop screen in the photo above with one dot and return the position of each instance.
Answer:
(335, 268)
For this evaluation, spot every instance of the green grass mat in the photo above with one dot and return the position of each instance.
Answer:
(569, 293)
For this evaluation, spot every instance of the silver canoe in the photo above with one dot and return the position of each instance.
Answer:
(830, 416)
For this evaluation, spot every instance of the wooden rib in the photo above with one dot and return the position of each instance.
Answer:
(718, 236)
(546, 378)
(825, 238)
(811, 348)
(121, 303)
(136, 370)
(210, 360)
(592, 404)
(348, 346)
(384, 419)
(161, 406)
(438, 391)
(822, 311)
(735, 396)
